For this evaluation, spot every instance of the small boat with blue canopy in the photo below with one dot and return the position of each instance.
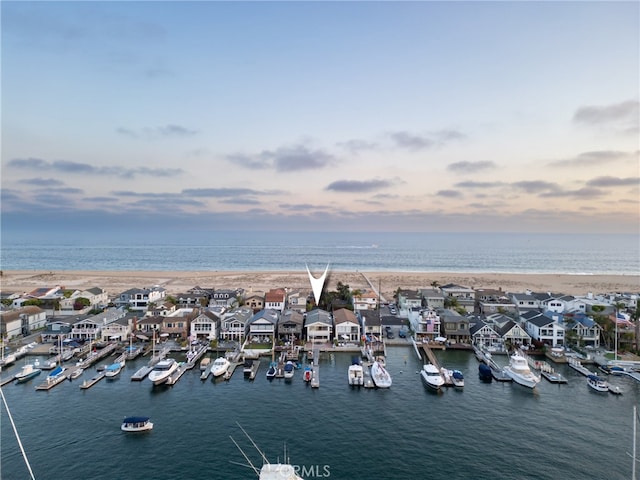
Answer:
(136, 424)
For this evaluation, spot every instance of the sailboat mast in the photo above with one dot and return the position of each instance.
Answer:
(633, 467)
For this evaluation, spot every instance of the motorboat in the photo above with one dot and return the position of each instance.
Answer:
(308, 373)
(76, 373)
(484, 372)
(49, 364)
(355, 373)
(379, 375)
(446, 375)
(289, 369)
(8, 360)
(220, 366)
(27, 373)
(162, 371)
(136, 424)
(599, 384)
(612, 369)
(247, 368)
(457, 378)
(204, 363)
(518, 370)
(271, 371)
(431, 376)
(113, 370)
(56, 374)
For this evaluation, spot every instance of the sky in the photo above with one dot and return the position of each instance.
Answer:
(332, 116)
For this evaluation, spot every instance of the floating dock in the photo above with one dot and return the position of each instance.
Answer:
(90, 383)
(254, 370)
(7, 380)
(232, 368)
(141, 373)
(546, 370)
(578, 367)
(50, 382)
(315, 370)
(207, 371)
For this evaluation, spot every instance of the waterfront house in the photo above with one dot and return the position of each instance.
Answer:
(545, 329)
(347, 326)
(22, 321)
(141, 299)
(275, 299)
(290, 326)
(90, 328)
(191, 300)
(149, 324)
(426, 325)
(234, 323)
(583, 328)
(371, 326)
(177, 324)
(432, 298)
(511, 333)
(483, 334)
(118, 330)
(455, 327)
(261, 327)
(318, 326)
(367, 300)
(205, 325)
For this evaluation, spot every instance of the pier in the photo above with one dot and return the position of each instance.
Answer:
(578, 367)
(315, 370)
(545, 370)
(254, 370)
(141, 373)
(90, 383)
(7, 380)
(207, 371)
(51, 382)
(232, 368)
(94, 357)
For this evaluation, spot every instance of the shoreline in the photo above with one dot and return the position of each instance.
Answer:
(114, 281)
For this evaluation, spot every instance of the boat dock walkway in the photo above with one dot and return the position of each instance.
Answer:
(175, 376)
(7, 380)
(315, 370)
(141, 373)
(232, 368)
(254, 370)
(634, 375)
(94, 357)
(90, 383)
(545, 370)
(578, 367)
(207, 371)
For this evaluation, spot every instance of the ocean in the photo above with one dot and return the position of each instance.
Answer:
(578, 254)
(484, 431)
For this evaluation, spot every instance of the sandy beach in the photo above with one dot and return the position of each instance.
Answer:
(179, 282)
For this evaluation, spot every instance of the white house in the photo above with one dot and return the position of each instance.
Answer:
(546, 329)
(205, 325)
(347, 327)
(318, 326)
(118, 330)
(141, 298)
(275, 299)
(91, 328)
(22, 321)
(367, 300)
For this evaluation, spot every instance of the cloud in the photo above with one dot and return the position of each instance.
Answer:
(284, 159)
(471, 167)
(535, 186)
(153, 133)
(474, 184)
(241, 201)
(41, 182)
(601, 157)
(614, 182)
(358, 186)
(228, 192)
(586, 192)
(356, 146)
(415, 142)
(449, 193)
(71, 167)
(622, 116)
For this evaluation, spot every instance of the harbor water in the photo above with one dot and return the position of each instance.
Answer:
(483, 431)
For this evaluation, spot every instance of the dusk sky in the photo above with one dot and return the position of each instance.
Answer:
(417, 116)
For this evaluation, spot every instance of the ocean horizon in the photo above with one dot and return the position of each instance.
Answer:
(577, 254)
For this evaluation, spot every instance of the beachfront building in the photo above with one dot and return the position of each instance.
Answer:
(96, 296)
(525, 302)
(261, 327)
(490, 301)
(290, 326)
(141, 299)
(297, 300)
(455, 327)
(225, 297)
(465, 297)
(205, 325)
(254, 302)
(409, 299)
(22, 321)
(318, 326)
(233, 324)
(367, 300)
(544, 328)
(275, 299)
(347, 326)
(432, 298)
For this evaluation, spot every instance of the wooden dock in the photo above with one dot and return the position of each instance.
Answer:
(545, 370)
(7, 380)
(254, 370)
(141, 373)
(315, 370)
(90, 383)
(232, 368)
(207, 371)
(93, 358)
(49, 383)
(578, 367)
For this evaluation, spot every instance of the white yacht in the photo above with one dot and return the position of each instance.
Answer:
(519, 371)
(220, 366)
(597, 383)
(356, 373)
(162, 371)
(380, 376)
(27, 373)
(431, 376)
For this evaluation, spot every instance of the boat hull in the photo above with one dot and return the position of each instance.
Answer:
(160, 376)
(380, 376)
(431, 381)
(524, 380)
(22, 378)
